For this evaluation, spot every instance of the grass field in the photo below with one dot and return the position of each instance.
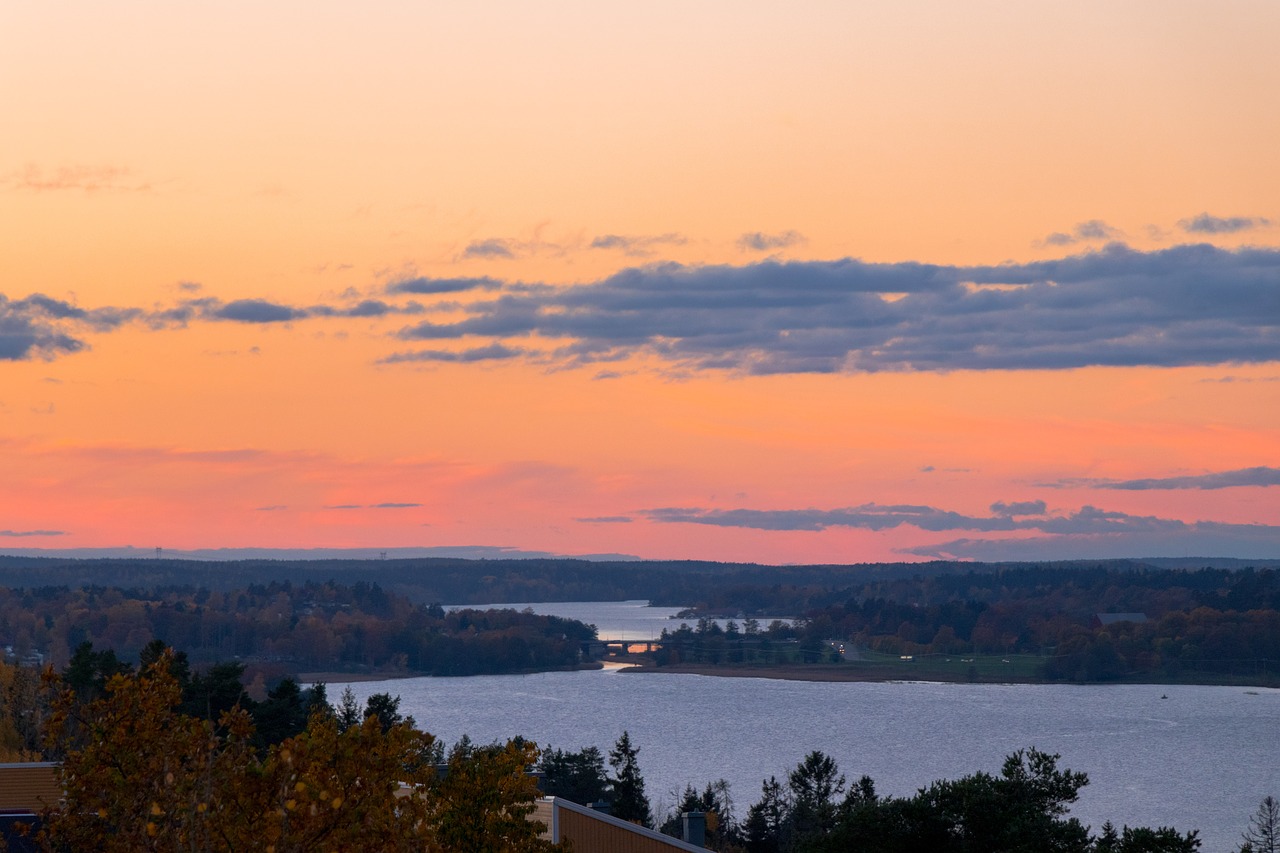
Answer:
(963, 667)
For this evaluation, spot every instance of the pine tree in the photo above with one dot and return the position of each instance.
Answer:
(629, 800)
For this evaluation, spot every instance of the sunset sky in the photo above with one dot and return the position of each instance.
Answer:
(826, 282)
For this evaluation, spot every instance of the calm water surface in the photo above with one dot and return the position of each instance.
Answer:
(1200, 759)
(614, 620)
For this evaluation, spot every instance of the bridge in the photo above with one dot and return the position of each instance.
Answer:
(605, 647)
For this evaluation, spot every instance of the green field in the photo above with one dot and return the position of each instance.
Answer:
(961, 667)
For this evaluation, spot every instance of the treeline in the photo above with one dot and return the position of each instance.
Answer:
(141, 769)
(747, 587)
(297, 627)
(815, 809)
(1201, 623)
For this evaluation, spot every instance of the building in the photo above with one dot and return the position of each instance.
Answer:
(26, 789)
(591, 831)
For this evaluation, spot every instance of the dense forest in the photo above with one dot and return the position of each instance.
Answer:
(457, 581)
(296, 627)
(1064, 618)
(1163, 623)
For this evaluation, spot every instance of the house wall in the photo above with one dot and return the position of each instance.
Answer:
(29, 786)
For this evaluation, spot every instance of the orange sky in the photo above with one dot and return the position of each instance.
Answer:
(898, 280)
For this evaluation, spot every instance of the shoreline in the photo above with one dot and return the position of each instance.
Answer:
(335, 677)
(811, 672)
(842, 673)
(830, 673)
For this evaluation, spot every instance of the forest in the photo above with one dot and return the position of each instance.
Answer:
(457, 581)
(1051, 621)
(1169, 624)
(284, 627)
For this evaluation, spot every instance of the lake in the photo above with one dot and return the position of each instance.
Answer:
(1202, 758)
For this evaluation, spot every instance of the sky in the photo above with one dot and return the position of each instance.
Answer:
(837, 282)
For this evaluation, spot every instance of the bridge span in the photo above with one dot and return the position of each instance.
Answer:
(606, 647)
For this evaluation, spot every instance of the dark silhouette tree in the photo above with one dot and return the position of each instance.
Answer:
(629, 799)
(385, 708)
(577, 776)
(765, 819)
(816, 784)
(1263, 834)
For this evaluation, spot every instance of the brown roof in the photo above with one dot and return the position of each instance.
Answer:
(591, 831)
(29, 786)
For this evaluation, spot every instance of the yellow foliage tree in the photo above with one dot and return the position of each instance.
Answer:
(23, 706)
(140, 776)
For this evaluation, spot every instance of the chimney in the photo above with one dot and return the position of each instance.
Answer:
(602, 806)
(695, 828)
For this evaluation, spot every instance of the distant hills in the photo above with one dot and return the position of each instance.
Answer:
(504, 577)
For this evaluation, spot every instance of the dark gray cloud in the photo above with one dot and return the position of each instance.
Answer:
(1243, 477)
(493, 352)
(363, 308)
(637, 246)
(1085, 533)
(606, 519)
(1019, 508)
(256, 311)
(431, 286)
(394, 505)
(494, 247)
(272, 508)
(867, 517)
(1196, 539)
(24, 533)
(1206, 224)
(40, 326)
(345, 506)
(1094, 229)
(758, 241)
(1185, 305)
(1087, 520)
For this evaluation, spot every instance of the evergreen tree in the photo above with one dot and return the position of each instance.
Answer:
(386, 708)
(765, 819)
(629, 800)
(576, 776)
(348, 710)
(815, 784)
(283, 715)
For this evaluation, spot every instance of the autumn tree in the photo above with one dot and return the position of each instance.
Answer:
(483, 802)
(144, 776)
(23, 708)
